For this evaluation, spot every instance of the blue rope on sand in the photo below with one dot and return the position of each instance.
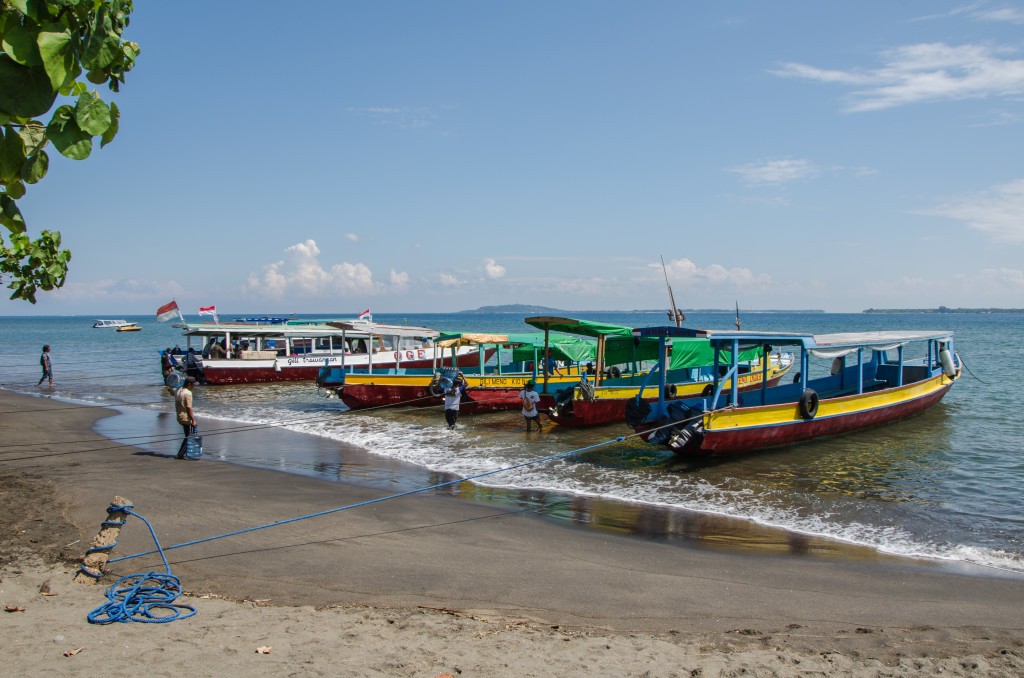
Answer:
(136, 597)
(362, 503)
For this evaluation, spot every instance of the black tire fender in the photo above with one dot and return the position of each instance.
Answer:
(809, 404)
(708, 391)
(670, 391)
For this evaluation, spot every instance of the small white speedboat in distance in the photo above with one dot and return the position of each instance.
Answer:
(110, 323)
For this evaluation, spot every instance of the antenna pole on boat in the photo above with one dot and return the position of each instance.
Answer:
(737, 315)
(674, 312)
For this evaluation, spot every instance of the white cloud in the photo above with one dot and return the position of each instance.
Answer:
(448, 280)
(997, 212)
(923, 73)
(399, 280)
(776, 171)
(352, 237)
(1008, 14)
(493, 269)
(685, 272)
(301, 272)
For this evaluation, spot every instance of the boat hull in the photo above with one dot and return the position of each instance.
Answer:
(757, 428)
(475, 401)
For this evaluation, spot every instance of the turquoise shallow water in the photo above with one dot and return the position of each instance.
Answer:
(946, 485)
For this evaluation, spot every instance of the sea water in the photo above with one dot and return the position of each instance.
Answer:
(947, 484)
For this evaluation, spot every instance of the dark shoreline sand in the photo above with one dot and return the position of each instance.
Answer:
(435, 577)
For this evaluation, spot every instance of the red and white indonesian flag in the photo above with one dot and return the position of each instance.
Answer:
(167, 311)
(209, 310)
(364, 314)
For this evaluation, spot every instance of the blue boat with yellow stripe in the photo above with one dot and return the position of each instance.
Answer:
(872, 378)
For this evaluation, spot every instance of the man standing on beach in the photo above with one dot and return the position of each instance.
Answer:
(452, 398)
(44, 361)
(530, 400)
(183, 408)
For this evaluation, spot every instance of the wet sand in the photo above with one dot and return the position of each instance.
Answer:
(426, 584)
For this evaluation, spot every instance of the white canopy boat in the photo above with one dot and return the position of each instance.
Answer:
(101, 324)
(282, 349)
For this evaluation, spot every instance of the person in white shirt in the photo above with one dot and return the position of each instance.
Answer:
(530, 400)
(452, 398)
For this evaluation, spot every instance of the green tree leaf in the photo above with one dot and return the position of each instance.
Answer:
(16, 190)
(24, 91)
(12, 157)
(33, 9)
(58, 53)
(33, 135)
(92, 114)
(70, 140)
(104, 44)
(20, 45)
(115, 123)
(10, 215)
(35, 167)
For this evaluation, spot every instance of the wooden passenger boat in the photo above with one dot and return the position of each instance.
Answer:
(490, 387)
(284, 349)
(589, 405)
(873, 380)
(602, 397)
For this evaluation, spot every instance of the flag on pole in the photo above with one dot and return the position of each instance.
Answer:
(364, 314)
(209, 310)
(167, 311)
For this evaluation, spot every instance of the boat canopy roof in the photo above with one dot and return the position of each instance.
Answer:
(364, 327)
(456, 339)
(587, 328)
(622, 347)
(879, 340)
(245, 329)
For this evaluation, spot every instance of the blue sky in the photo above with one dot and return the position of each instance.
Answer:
(439, 156)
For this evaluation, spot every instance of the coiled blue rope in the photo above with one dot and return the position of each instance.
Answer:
(365, 503)
(147, 598)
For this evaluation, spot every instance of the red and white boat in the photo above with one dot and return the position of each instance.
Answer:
(282, 349)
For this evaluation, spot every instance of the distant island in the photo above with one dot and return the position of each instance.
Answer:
(943, 309)
(516, 308)
(528, 309)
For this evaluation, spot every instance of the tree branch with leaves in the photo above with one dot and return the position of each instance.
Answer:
(47, 45)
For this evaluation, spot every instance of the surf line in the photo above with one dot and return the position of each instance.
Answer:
(374, 501)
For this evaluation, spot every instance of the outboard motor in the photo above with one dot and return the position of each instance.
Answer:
(688, 429)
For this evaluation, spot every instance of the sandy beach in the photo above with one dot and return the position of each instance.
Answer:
(427, 585)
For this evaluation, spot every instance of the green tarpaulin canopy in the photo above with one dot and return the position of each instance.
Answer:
(563, 347)
(698, 353)
(622, 347)
(587, 328)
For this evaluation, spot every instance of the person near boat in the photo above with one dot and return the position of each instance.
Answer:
(452, 399)
(183, 410)
(166, 364)
(47, 365)
(217, 351)
(193, 367)
(530, 400)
